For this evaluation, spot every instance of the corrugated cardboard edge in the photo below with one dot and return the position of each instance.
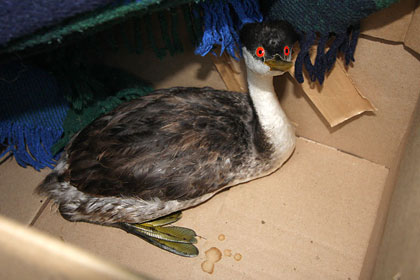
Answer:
(338, 99)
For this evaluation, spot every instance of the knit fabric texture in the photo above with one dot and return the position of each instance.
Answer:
(81, 25)
(23, 17)
(36, 121)
(32, 112)
(336, 22)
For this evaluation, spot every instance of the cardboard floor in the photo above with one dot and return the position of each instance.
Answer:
(274, 223)
(17, 185)
(312, 219)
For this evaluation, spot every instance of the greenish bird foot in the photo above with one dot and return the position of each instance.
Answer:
(174, 239)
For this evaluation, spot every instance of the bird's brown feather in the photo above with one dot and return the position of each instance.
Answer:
(171, 145)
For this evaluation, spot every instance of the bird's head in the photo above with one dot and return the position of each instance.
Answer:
(267, 47)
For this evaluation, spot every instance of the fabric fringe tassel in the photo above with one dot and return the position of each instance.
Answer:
(220, 27)
(30, 145)
(344, 43)
(31, 115)
(35, 119)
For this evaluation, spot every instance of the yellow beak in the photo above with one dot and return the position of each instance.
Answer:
(279, 65)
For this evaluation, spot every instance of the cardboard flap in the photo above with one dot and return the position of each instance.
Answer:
(337, 99)
(412, 38)
(391, 23)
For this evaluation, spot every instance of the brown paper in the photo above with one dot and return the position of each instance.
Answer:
(337, 99)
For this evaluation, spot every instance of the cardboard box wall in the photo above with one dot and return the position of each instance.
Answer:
(399, 253)
(321, 216)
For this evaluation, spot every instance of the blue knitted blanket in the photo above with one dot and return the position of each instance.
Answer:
(32, 112)
(23, 17)
(34, 102)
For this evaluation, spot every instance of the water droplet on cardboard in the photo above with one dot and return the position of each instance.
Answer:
(208, 267)
(227, 252)
(237, 257)
(222, 237)
(213, 255)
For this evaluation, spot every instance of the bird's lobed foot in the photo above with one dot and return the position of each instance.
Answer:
(177, 240)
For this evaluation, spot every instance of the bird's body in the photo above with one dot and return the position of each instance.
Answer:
(171, 150)
(162, 153)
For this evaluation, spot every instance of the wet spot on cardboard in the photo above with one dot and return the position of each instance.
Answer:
(237, 257)
(227, 252)
(208, 267)
(213, 255)
(222, 237)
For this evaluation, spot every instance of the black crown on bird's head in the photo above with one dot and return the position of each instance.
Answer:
(273, 36)
(267, 46)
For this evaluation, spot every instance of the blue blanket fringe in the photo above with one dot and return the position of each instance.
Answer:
(222, 19)
(324, 61)
(31, 115)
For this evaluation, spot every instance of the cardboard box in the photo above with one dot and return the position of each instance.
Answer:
(398, 256)
(321, 216)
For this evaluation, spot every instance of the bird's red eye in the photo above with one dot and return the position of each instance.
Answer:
(260, 52)
(286, 51)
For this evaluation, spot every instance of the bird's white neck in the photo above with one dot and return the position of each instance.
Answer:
(271, 116)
